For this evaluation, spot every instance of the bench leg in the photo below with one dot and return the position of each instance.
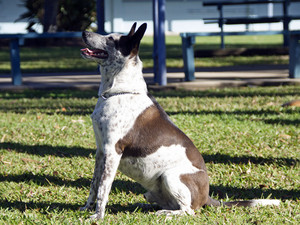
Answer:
(15, 62)
(294, 51)
(188, 57)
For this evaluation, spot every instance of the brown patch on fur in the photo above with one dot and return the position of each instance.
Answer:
(153, 129)
(146, 136)
(198, 185)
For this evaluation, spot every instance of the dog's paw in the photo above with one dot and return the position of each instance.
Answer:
(83, 208)
(97, 216)
(86, 208)
(175, 212)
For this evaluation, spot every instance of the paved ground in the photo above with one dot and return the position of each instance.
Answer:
(205, 78)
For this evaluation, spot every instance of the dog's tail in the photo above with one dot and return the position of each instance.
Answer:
(248, 203)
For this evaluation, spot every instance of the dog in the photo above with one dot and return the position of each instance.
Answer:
(135, 135)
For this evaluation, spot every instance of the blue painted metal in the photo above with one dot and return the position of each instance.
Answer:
(233, 33)
(286, 22)
(188, 56)
(43, 35)
(16, 39)
(159, 40)
(221, 22)
(285, 18)
(161, 46)
(294, 51)
(15, 62)
(155, 38)
(100, 16)
(188, 50)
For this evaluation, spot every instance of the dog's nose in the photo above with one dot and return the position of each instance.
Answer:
(86, 34)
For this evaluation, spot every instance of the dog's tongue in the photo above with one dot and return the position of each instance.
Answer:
(98, 53)
(86, 50)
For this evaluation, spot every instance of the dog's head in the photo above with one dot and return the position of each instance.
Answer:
(108, 49)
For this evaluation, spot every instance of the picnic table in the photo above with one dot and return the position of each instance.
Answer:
(188, 41)
(221, 20)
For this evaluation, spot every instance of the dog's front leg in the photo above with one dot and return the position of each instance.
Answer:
(95, 181)
(111, 161)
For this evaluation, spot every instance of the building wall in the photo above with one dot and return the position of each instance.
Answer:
(181, 15)
(10, 10)
(187, 15)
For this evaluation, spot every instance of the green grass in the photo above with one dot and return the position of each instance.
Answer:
(249, 142)
(67, 59)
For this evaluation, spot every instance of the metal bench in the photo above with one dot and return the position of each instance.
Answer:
(188, 41)
(16, 40)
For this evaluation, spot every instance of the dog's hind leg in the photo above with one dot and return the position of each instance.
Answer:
(150, 197)
(176, 196)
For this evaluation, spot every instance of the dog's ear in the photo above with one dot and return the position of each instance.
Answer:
(132, 30)
(137, 37)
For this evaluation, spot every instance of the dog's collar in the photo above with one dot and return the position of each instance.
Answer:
(107, 95)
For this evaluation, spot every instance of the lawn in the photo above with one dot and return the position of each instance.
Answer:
(67, 58)
(249, 142)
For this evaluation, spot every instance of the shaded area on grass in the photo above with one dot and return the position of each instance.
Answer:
(227, 159)
(66, 110)
(238, 92)
(254, 193)
(88, 109)
(44, 206)
(235, 112)
(221, 191)
(44, 180)
(70, 110)
(53, 94)
(281, 121)
(49, 180)
(223, 93)
(44, 150)
(61, 151)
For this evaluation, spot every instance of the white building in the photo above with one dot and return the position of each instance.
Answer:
(181, 15)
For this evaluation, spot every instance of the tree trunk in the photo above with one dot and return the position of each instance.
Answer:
(51, 8)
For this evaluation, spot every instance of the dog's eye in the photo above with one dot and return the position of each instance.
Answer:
(111, 38)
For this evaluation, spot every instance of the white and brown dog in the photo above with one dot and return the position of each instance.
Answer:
(135, 135)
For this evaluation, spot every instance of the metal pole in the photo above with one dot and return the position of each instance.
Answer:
(286, 21)
(15, 62)
(155, 37)
(160, 44)
(221, 24)
(100, 16)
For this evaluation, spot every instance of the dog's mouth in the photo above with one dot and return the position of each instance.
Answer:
(96, 53)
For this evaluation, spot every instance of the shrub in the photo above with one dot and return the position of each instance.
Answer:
(72, 15)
